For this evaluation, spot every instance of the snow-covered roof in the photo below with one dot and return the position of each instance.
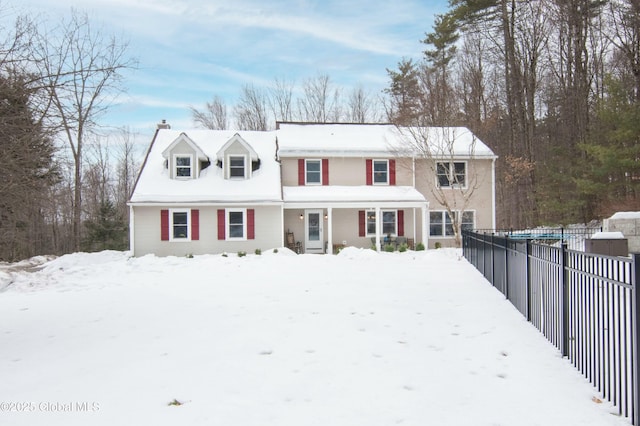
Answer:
(358, 140)
(626, 215)
(155, 186)
(352, 194)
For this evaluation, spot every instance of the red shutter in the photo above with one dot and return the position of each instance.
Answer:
(251, 224)
(400, 223)
(325, 171)
(164, 225)
(221, 225)
(392, 172)
(195, 224)
(362, 223)
(369, 173)
(301, 172)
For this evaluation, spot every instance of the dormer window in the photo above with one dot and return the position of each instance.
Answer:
(237, 167)
(183, 166)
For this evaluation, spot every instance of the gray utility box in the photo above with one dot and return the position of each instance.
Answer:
(608, 247)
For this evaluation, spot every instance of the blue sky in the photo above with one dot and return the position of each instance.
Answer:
(191, 50)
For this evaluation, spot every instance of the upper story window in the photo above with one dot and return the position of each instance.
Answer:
(380, 172)
(237, 167)
(313, 172)
(451, 175)
(183, 166)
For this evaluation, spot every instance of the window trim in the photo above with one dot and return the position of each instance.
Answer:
(245, 168)
(451, 175)
(171, 225)
(306, 171)
(228, 224)
(370, 212)
(373, 172)
(176, 167)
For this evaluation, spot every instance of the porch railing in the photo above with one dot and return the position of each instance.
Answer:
(585, 304)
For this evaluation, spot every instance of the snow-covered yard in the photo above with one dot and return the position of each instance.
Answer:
(361, 338)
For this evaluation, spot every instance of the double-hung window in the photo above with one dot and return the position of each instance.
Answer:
(179, 226)
(236, 224)
(380, 172)
(183, 166)
(237, 167)
(313, 172)
(389, 222)
(451, 175)
(441, 224)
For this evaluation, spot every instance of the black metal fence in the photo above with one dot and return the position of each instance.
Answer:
(587, 305)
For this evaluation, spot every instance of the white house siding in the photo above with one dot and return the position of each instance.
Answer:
(147, 237)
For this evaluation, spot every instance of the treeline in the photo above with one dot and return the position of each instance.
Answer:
(63, 183)
(552, 86)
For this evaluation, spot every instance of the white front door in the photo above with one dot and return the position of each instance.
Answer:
(313, 241)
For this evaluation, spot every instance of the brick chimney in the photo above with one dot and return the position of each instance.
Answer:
(164, 125)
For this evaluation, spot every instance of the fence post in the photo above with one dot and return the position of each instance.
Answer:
(527, 277)
(635, 311)
(506, 267)
(564, 278)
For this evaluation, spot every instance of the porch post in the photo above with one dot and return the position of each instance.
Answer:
(329, 230)
(425, 227)
(378, 247)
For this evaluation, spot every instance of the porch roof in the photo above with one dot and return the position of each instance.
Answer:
(352, 196)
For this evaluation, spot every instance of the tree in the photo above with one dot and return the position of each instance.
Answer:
(281, 99)
(321, 100)
(451, 181)
(361, 106)
(82, 70)
(405, 94)
(251, 109)
(213, 117)
(27, 172)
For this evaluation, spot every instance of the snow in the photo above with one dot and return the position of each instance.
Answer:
(626, 215)
(611, 235)
(155, 185)
(361, 338)
(370, 140)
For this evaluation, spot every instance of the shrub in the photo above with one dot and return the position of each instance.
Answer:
(403, 247)
(242, 253)
(258, 252)
(438, 245)
(389, 248)
(189, 255)
(419, 247)
(225, 255)
(275, 250)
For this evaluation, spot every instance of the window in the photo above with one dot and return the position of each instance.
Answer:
(237, 166)
(179, 226)
(313, 172)
(183, 166)
(381, 172)
(389, 222)
(236, 224)
(451, 174)
(441, 224)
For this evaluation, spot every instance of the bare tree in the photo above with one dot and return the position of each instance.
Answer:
(361, 106)
(213, 117)
(251, 110)
(320, 103)
(281, 99)
(82, 71)
(447, 164)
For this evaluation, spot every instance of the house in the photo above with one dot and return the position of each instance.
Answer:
(328, 185)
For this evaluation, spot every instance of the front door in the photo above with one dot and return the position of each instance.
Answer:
(313, 234)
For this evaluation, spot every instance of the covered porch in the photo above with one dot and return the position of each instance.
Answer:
(325, 218)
